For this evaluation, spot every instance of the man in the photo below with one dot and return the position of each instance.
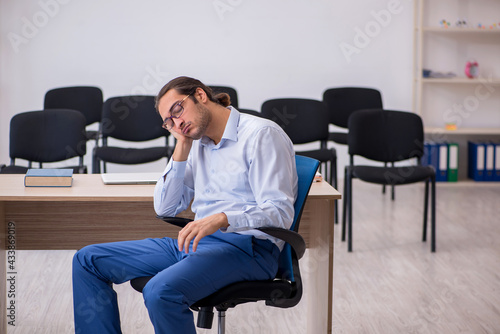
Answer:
(240, 170)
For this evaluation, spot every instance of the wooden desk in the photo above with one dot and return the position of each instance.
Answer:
(90, 212)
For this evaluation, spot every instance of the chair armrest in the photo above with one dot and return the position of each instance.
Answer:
(177, 221)
(291, 237)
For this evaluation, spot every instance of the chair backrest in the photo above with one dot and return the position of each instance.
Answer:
(86, 99)
(385, 135)
(343, 101)
(306, 170)
(233, 95)
(131, 118)
(303, 120)
(47, 135)
(250, 112)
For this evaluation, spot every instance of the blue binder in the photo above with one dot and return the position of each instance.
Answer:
(476, 161)
(426, 157)
(489, 162)
(433, 156)
(442, 162)
(496, 165)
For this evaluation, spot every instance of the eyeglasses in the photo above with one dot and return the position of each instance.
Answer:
(175, 112)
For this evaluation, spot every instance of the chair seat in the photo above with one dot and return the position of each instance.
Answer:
(250, 291)
(14, 170)
(323, 155)
(120, 155)
(338, 137)
(92, 135)
(392, 175)
(22, 170)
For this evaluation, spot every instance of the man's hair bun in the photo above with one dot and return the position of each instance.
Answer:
(223, 99)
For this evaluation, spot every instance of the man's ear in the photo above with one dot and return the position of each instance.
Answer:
(201, 95)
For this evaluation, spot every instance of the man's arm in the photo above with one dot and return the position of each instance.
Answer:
(172, 195)
(273, 181)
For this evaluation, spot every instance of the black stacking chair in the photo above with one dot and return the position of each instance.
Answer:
(250, 112)
(86, 99)
(46, 136)
(285, 290)
(388, 136)
(134, 119)
(305, 121)
(341, 102)
(233, 95)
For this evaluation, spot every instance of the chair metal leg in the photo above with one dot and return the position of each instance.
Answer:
(349, 223)
(433, 215)
(222, 322)
(333, 170)
(426, 206)
(383, 186)
(393, 192)
(344, 205)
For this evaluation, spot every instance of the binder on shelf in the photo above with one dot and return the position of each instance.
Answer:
(496, 165)
(433, 156)
(442, 162)
(476, 160)
(425, 160)
(488, 161)
(452, 162)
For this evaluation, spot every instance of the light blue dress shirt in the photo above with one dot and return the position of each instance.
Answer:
(249, 175)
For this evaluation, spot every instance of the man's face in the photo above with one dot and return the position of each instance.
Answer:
(194, 119)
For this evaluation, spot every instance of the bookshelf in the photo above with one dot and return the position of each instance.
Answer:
(472, 105)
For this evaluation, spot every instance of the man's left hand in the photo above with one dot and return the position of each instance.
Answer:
(197, 229)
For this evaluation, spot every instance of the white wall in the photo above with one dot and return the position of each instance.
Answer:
(265, 49)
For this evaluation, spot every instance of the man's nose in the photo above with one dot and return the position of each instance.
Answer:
(178, 122)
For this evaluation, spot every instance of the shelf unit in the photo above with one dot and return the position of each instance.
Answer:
(472, 104)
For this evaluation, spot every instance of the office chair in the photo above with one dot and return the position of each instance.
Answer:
(388, 136)
(130, 118)
(285, 290)
(45, 136)
(86, 99)
(233, 95)
(305, 121)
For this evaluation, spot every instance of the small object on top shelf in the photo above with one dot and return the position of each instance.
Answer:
(426, 73)
(49, 177)
(444, 24)
(450, 126)
(472, 69)
(462, 23)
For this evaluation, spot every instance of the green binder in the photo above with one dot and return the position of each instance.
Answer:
(452, 162)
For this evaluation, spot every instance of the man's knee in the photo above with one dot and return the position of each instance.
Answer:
(160, 296)
(84, 258)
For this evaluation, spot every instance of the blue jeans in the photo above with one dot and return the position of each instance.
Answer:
(179, 279)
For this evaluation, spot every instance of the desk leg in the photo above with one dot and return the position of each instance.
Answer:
(3, 277)
(320, 266)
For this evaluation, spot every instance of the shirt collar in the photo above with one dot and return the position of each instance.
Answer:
(230, 132)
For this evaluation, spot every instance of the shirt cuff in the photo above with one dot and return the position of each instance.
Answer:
(175, 169)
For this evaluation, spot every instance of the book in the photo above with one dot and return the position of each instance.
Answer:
(49, 177)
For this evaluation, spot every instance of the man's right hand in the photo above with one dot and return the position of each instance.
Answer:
(182, 147)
